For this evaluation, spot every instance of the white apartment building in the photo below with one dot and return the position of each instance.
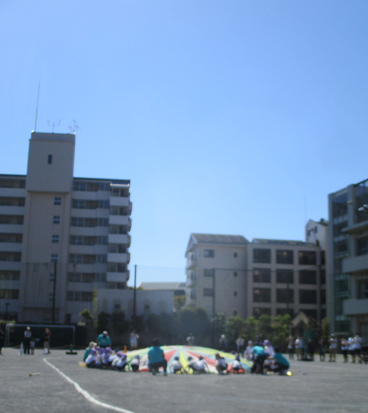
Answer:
(52, 222)
(348, 248)
(228, 274)
(216, 278)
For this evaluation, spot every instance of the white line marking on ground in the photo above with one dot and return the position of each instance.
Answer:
(85, 393)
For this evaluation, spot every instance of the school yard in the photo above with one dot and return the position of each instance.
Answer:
(314, 387)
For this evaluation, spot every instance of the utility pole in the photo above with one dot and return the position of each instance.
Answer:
(135, 292)
(54, 295)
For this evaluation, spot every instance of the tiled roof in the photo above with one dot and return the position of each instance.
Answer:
(220, 239)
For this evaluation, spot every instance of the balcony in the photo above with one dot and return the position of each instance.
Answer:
(119, 239)
(355, 264)
(120, 220)
(13, 192)
(117, 277)
(192, 261)
(120, 201)
(11, 246)
(90, 213)
(11, 210)
(118, 258)
(11, 229)
(355, 306)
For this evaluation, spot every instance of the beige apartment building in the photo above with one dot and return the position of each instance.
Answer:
(63, 240)
(228, 274)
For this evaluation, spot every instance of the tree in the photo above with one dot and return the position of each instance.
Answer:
(325, 326)
(87, 317)
(250, 328)
(280, 331)
(119, 324)
(179, 301)
(234, 326)
(264, 327)
(102, 321)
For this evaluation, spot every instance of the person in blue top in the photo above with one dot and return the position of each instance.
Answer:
(259, 356)
(281, 363)
(156, 358)
(103, 340)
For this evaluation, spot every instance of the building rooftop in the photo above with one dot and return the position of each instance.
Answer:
(220, 239)
(281, 242)
(162, 286)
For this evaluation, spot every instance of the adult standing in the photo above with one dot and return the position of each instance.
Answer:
(156, 358)
(2, 339)
(223, 343)
(357, 346)
(240, 345)
(344, 349)
(351, 349)
(27, 340)
(103, 340)
(190, 340)
(46, 337)
(299, 348)
(290, 341)
(134, 340)
(321, 349)
(332, 348)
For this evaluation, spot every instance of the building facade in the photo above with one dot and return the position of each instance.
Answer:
(62, 239)
(215, 270)
(348, 242)
(230, 275)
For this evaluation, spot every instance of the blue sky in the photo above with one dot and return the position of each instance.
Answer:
(229, 117)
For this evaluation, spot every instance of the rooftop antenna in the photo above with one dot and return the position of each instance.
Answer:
(74, 128)
(38, 97)
(53, 125)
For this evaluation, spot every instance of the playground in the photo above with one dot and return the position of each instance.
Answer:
(59, 384)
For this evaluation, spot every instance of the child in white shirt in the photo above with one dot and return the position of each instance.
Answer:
(134, 364)
(176, 365)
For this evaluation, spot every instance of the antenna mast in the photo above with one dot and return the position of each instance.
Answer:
(38, 96)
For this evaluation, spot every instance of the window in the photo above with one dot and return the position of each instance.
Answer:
(284, 256)
(79, 203)
(257, 311)
(284, 276)
(55, 239)
(80, 186)
(235, 274)
(57, 200)
(235, 293)
(362, 246)
(51, 296)
(56, 219)
(86, 296)
(235, 312)
(307, 277)
(104, 204)
(101, 258)
(102, 240)
(262, 295)
(323, 296)
(9, 294)
(49, 159)
(262, 255)
(363, 289)
(284, 295)
(208, 273)
(78, 222)
(261, 275)
(76, 240)
(209, 253)
(54, 257)
(103, 222)
(307, 296)
(100, 278)
(207, 292)
(235, 254)
(307, 258)
(310, 313)
(76, 258)
(323, 257)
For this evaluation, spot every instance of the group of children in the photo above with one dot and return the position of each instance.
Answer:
(99, 357)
